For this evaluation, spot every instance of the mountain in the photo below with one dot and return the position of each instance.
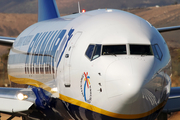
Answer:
(70, 6)
(31, 6)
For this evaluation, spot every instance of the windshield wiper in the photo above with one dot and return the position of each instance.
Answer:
(143, 54)
(113, 54)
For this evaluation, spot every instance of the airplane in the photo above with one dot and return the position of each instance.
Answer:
(97, 65)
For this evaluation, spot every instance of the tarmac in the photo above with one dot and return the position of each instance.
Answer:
(5, 117)
(174, 116)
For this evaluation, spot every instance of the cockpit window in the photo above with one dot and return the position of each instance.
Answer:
(140, 50)
(97, 52)
(114, 50)
(93, 51)
(89, 51)
(157, 51)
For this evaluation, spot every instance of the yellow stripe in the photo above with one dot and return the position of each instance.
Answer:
(107, 113)
(83, 104)
(29, 82)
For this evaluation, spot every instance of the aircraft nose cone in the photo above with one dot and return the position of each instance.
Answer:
(125, 81)
(126, 77)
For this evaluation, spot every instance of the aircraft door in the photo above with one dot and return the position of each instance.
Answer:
(68, 52)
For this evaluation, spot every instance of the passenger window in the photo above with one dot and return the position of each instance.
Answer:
(97, 52)
(157, 51)
(140, 50)
(89, 51)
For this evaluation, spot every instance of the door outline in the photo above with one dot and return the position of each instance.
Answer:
(67, 59)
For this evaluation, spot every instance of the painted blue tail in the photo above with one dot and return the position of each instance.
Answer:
(47, 9)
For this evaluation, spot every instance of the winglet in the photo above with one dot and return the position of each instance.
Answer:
(47, 9)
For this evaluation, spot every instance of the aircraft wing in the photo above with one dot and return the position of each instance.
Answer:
(166, 29)
(7, 41)
(16, 99)
(13, 100)
(173, 103)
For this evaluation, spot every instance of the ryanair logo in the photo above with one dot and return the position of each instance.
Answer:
(85, 86)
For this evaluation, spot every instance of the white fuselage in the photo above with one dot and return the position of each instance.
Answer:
(122, 86)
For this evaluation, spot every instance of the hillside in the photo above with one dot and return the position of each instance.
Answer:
(13, 24)
(70, 6)
(31, 6)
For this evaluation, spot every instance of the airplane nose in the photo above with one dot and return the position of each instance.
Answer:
(125, 78)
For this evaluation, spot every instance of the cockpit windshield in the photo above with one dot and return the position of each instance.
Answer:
(141, 50)
(114, 50)
(94, 51)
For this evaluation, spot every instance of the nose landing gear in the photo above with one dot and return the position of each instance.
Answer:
(162, 116)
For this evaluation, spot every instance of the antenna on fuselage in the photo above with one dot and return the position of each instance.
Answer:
(79, 8)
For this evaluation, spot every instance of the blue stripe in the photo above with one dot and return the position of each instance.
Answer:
(44, 42)
(38, 48)
(45, 59)
(59, 37)
(53, 40)
(85, 90)
(70, 36)
(47, 49)
(48, 43)
(40, 42)
(35, 44)
(30, 46)
(33, 58)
